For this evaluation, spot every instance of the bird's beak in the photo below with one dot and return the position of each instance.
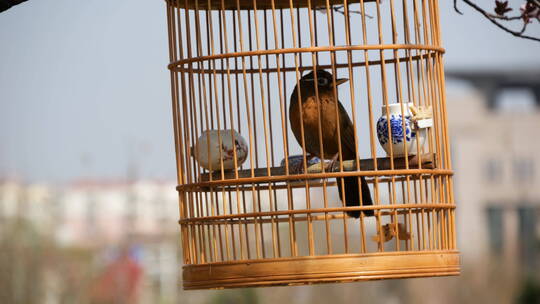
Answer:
(341, 81)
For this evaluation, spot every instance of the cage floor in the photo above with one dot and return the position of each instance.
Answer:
(321, 269)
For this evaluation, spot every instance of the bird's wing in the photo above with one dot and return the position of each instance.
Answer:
(347, 134)
(294, 115)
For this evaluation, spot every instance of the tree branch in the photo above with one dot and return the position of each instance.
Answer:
(505, 18)
(491, 18)
(6, 4)
(456, 9)
(341, 10)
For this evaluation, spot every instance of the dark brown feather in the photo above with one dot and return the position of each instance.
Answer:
(310, 109)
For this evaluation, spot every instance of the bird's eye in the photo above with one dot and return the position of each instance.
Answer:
(322, 82)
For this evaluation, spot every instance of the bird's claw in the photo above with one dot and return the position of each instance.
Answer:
(330, 166)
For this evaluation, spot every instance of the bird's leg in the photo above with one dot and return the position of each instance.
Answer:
(333, 161)
(330, 166)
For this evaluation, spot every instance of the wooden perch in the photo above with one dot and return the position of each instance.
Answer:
(383, 163)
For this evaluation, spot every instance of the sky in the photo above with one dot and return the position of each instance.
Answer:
(85, 92)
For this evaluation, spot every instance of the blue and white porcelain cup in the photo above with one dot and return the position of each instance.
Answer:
(410, 135)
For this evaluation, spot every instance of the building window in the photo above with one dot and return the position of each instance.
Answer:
(529, 240)
(495, 228)
(523, 169)
(515, 100)
(493, 170)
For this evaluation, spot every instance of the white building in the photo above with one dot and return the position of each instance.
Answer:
(87, 213)
(495, 142)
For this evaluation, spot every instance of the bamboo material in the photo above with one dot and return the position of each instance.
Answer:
(338, 268)
(176, 66)
(425, 48)
(248, 4)
(310, 211)
(248, 220)
(278, 219)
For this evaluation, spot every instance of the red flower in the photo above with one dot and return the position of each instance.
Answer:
(529, 11)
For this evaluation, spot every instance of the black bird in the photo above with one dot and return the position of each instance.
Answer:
(329, 130)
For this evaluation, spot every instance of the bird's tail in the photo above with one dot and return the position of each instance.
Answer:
(352, 194)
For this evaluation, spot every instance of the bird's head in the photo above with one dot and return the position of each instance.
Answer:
(324, 80)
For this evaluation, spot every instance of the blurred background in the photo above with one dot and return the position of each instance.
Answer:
(87, 168)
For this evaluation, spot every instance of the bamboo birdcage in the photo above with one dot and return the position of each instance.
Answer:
(234, 64)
